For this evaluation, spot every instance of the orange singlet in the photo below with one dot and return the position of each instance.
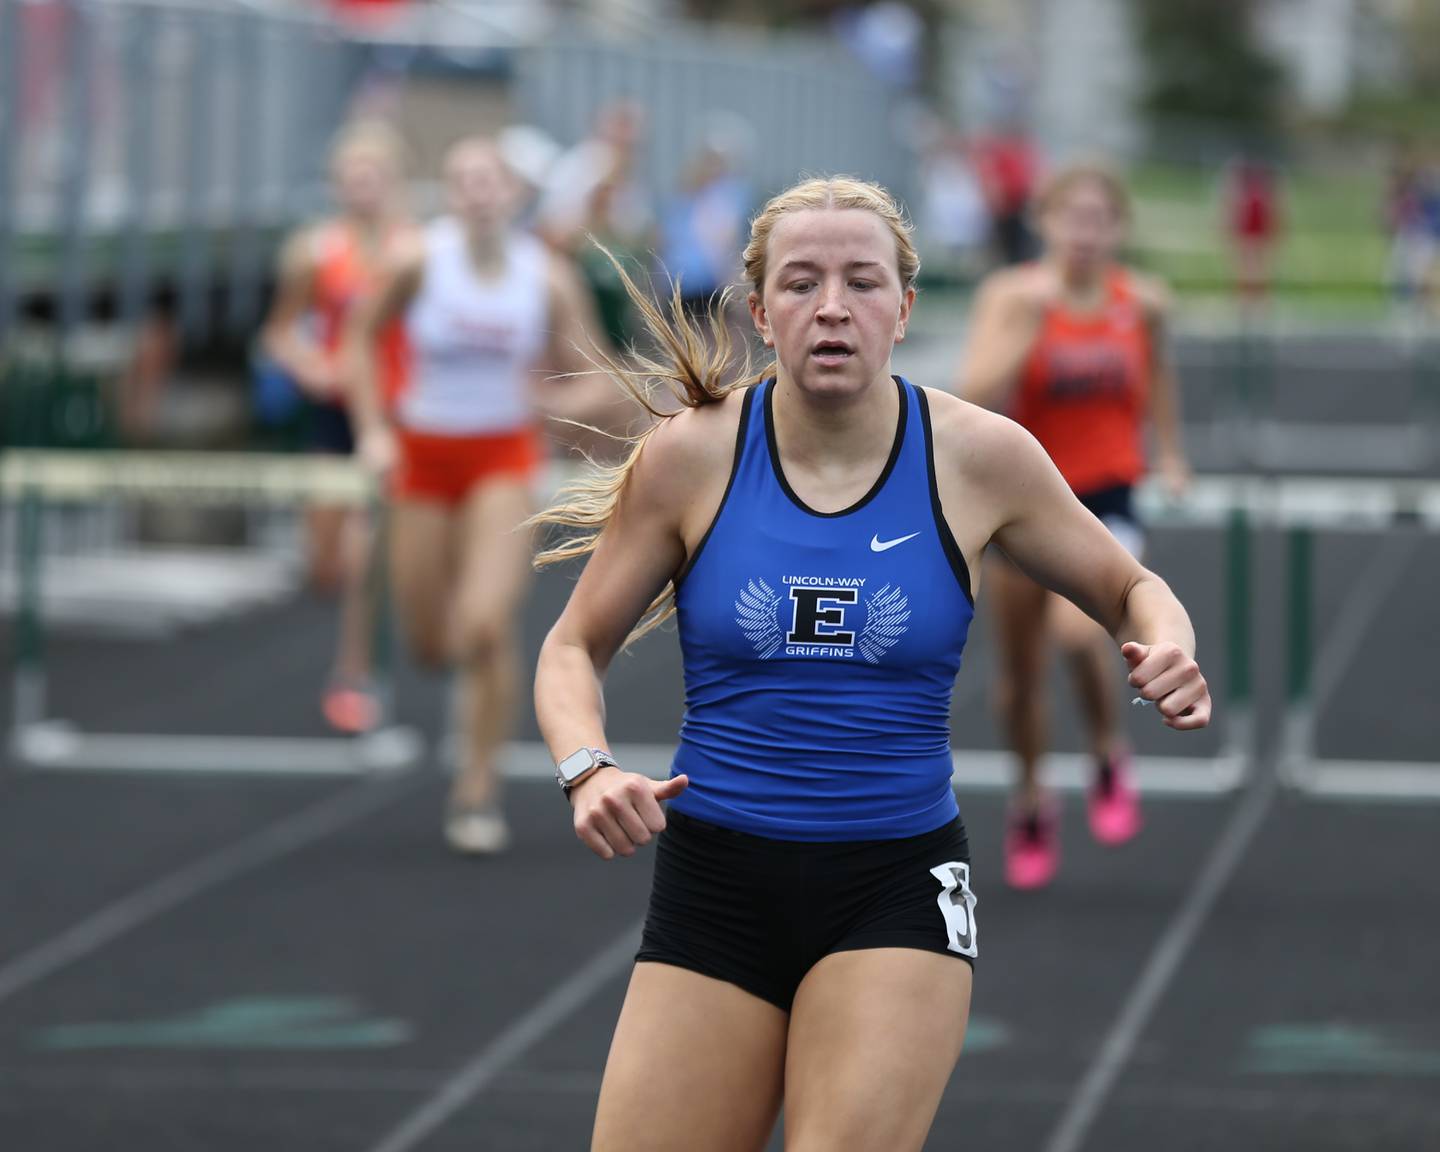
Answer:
(342, 275)
(1085, 389)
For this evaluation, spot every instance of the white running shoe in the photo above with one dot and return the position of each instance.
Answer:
(477, 831)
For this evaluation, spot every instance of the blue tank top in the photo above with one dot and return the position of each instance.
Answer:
(821, 648)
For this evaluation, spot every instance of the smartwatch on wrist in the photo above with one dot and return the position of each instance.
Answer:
(581, 764)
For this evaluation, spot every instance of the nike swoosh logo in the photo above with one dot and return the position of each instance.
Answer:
(878, 545)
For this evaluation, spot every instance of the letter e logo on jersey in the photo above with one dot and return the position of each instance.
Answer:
(957, 905)
(818, 616)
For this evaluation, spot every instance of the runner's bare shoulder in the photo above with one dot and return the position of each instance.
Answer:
(685, 463)
(983, 460)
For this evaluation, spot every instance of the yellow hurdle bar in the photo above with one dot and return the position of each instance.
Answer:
(36, 479)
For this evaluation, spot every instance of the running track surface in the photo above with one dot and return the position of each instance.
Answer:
(228, 963)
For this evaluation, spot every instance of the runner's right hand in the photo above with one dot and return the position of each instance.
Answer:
(321, 380)
(617, 811)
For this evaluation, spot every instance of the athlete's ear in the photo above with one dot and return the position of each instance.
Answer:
(907, 301)
(761, 319)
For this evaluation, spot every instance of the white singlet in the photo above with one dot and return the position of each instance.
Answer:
(473, 342)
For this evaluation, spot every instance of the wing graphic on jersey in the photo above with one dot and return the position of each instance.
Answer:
(886, 613)
(756, 615)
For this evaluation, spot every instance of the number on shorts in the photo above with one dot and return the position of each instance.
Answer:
(957, 905)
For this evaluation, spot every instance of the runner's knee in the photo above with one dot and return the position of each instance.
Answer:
(480, 636)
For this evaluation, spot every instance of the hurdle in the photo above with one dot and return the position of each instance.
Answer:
(35, 479)
(1211, 503)
(1298, 507)
(1358, 507)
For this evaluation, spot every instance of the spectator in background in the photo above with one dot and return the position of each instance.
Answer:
(531, 155)
(149, 370)
(370, 13)
(1430, 202)
(1008, 167)
(954, 218)
(705, 221)
(1251, 204)
(1412, 219)
(326, 268)
(596, 188)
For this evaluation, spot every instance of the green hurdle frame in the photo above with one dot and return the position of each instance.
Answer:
(1212, 503)
(39, 741)
(1412, 503)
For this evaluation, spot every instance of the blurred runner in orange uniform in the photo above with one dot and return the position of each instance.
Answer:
(1073, 348)
(325, 269)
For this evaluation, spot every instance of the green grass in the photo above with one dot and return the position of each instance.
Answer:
(1332, 243)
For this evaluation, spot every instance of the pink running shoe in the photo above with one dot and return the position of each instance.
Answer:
(1113, 803)
(1032, 847)
(350, 708)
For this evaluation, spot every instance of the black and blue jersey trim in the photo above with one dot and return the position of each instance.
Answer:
(875, 488)
(947, 538)
(745, 406)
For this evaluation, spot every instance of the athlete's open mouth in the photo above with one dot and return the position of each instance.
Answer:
(831, 351)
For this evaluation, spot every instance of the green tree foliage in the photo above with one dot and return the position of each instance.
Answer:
(1202, 62)
(1422, 39)
(1405, 106)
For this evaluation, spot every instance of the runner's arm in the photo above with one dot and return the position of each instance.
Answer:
(399, 281)
(640, 549)
(1041, 525)
(1003, 330)
(283, 335)
(1164, 387)
(638, 552)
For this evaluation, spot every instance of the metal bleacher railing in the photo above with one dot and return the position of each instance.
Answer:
(158, 140)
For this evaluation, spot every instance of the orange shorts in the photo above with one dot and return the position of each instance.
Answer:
(446, 469)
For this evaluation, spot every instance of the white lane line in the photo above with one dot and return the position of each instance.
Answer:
(1161, 966)
(1380, 780)
(284, 836)
(477, 1073)
(57, 746)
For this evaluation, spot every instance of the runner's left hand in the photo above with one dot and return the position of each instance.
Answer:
(1174, 475)
(1164, 675)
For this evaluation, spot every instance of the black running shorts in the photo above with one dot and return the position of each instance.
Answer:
(759, 913)
(1115, 508)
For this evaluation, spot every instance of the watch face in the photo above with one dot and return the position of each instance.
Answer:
(574, 764)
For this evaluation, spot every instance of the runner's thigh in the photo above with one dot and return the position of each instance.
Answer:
(495, 567)
(1017, 606)
(696, 1064)
(874, 1036)
(422, 561)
